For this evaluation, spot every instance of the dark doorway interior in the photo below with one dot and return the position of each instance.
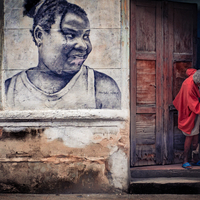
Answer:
(198, 27)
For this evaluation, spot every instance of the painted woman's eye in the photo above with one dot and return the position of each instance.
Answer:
(69, 35)
(86, 37)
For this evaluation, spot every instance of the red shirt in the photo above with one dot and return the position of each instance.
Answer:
(187, 103)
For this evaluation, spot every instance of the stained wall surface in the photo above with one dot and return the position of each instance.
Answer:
(64, 123)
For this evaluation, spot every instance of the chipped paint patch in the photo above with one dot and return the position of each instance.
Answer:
(118, 167)
(71, 136)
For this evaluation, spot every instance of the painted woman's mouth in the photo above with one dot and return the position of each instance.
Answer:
(77, 60)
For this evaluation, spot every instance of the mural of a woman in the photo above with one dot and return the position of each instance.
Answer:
(61, 31)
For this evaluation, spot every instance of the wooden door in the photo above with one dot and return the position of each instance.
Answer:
(146, 83)
(159, 46)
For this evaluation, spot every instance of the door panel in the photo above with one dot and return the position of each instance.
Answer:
(146, 28)
(183, 34)
(145, 139)
(146, 82)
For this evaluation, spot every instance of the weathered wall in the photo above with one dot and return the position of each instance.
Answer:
(63, 157)
(57, 149)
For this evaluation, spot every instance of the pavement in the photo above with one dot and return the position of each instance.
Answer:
(97, 197)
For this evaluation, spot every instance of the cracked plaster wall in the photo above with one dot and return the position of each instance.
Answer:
(67, 151)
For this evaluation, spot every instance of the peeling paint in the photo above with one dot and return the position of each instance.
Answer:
(118, 168)
(71, 137)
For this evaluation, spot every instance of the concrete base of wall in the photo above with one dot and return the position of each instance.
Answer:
(50, 178)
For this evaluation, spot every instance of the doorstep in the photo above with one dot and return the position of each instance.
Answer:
(164, 171)
(165, 179)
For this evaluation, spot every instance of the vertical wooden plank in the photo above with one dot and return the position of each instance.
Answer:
(165, 68)
(168, 74)
(170, 125)
(133, 80)
(1, 46)
(159, 86)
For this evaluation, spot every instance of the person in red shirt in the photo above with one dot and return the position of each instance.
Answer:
(188, 106)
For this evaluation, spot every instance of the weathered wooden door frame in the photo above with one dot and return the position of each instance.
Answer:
(165, 58)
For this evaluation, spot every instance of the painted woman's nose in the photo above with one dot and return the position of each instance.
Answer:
(81, 44)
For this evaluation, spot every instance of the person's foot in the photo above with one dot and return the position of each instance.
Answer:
(187, 165)
(196, 163)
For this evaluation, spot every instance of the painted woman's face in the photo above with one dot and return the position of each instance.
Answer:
(67, 46)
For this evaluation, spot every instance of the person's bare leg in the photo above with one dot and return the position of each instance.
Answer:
(195, 155)
(187, 144)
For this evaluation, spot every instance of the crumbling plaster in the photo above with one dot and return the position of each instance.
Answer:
(101, 156)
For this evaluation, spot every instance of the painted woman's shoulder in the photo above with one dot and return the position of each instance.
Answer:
(108, 95)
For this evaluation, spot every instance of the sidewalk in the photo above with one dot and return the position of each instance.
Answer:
(96, 197)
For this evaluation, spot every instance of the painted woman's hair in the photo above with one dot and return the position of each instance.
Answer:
(45, 15)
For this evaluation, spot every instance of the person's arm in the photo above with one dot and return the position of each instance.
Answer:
(107, 93)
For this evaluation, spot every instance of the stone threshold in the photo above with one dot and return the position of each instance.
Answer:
(174, 185)
(174, 170)
(165, 179)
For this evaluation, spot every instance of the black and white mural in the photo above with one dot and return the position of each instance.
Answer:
(59, 78)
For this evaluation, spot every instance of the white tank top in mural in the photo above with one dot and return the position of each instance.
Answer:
(79, 93)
